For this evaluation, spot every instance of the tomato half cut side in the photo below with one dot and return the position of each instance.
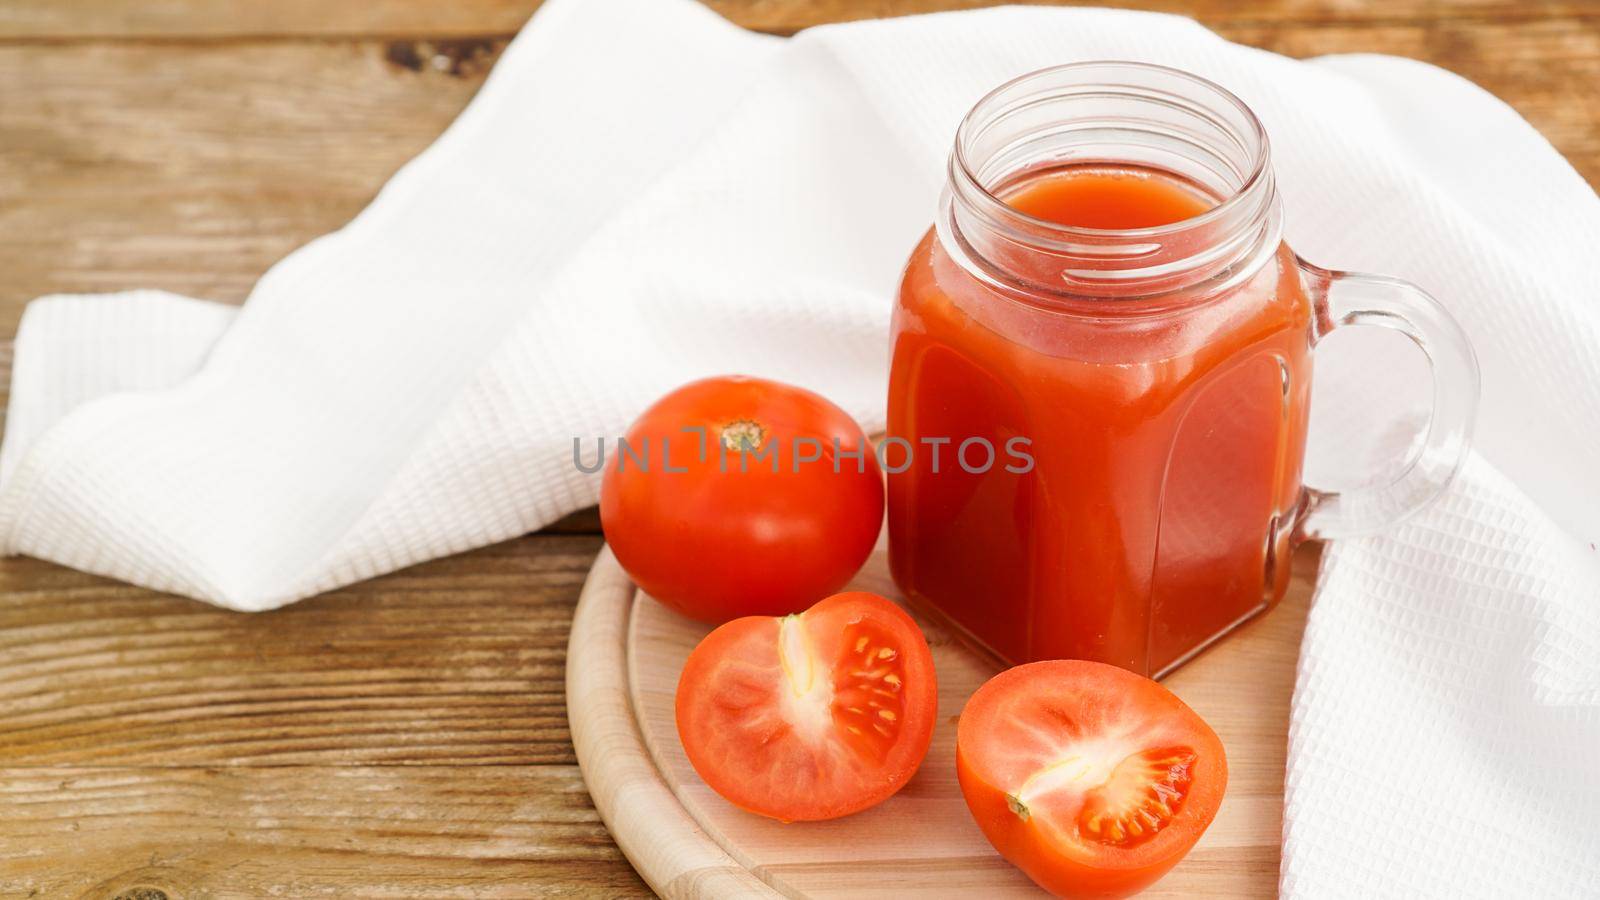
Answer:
(1091, 779)
(810, 716)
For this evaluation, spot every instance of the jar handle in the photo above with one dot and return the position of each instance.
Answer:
(1344, 299)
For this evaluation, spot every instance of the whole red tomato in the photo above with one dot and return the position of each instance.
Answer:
(738, 496)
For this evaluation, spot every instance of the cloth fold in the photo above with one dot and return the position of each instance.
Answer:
(642, 194)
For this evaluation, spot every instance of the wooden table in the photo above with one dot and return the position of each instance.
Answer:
(406, 736)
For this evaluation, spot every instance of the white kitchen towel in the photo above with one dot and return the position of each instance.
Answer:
(642, 194)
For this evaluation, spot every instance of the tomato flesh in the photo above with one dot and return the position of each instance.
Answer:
(1091, 779)
(810, 716)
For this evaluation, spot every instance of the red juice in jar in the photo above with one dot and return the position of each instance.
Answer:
(1117, 317)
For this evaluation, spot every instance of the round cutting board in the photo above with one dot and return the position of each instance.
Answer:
(622, 668)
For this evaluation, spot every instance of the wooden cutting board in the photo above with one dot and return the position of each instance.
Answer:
(623, 662)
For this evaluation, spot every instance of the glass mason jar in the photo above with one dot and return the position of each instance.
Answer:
(1107, 426)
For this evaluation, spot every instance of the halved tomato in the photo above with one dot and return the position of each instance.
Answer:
(1091, 779)
(810, 716)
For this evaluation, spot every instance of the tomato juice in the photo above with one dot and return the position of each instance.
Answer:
(1167, 430)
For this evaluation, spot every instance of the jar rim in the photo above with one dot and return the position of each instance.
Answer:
(963, 174)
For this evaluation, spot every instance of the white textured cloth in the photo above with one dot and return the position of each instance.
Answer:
(642, 194)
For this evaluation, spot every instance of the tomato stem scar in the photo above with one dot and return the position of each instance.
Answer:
(1015, 804)
(743, 435)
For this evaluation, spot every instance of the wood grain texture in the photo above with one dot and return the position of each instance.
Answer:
(787, 16)
(658, 835)
(218, 19)
(194, 165)
(194, 169)
(353, 831)
(402, 737)
(189, 144)
(920, 842)
(460, 661)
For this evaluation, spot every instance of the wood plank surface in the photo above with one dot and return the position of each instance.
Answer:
(294, 831)
(194, 165)
(214, 19)
(404, 737)
(460, 660)
(194, 168)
